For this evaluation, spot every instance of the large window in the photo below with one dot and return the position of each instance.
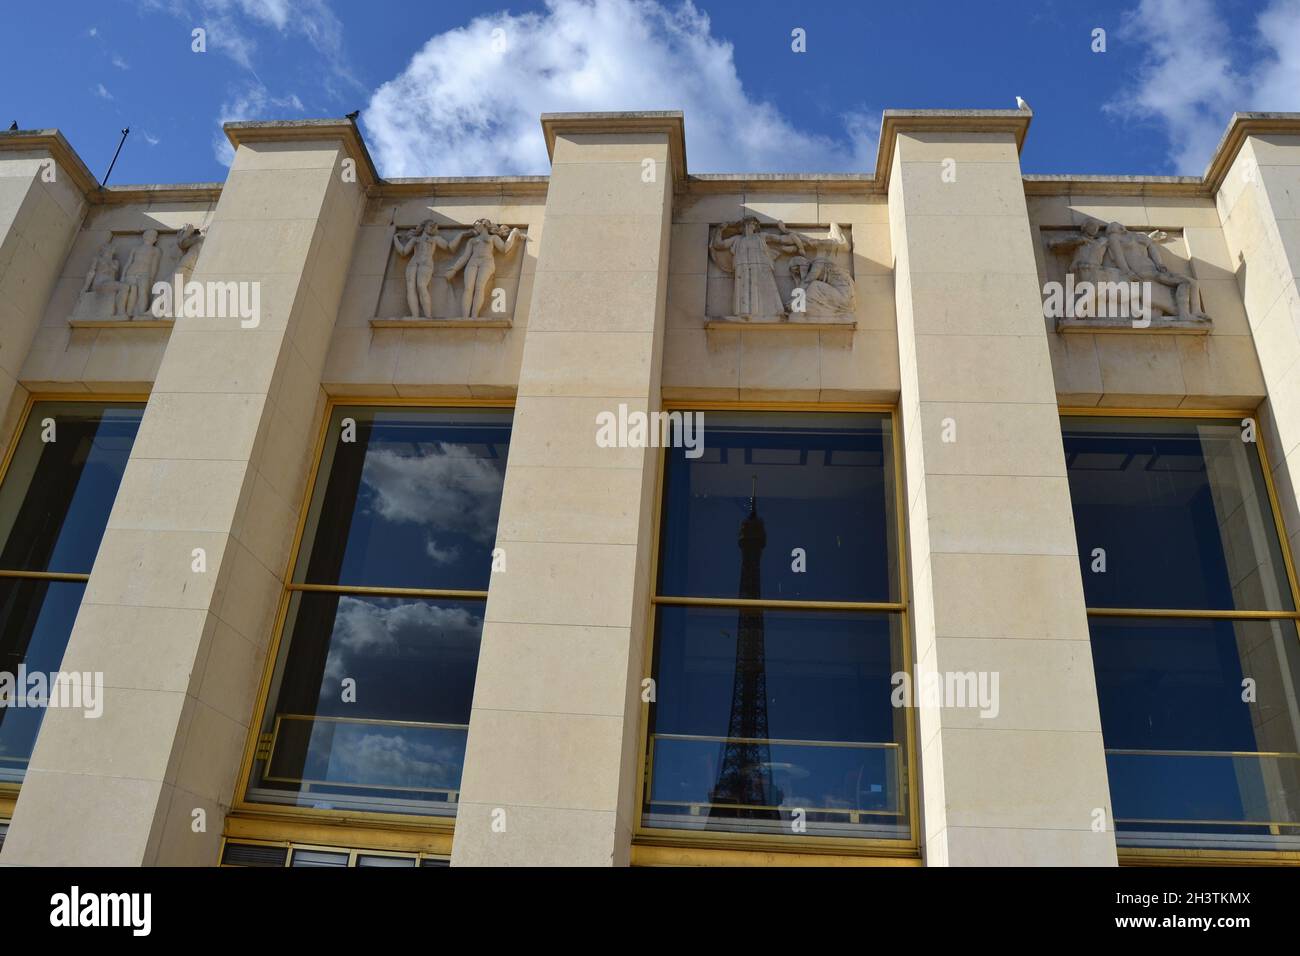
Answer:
(369, 701)
(58, 489)
(1192, 615)
(778, 628)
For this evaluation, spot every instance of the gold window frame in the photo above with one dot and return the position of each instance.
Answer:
(1190, 856)
(653, 846)
(9, 791)
(418, 856)
(311, 827)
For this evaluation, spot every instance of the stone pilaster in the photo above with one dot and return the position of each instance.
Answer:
(219, 465)
(43, 185)
(996, 583)
(1257, 191)
(553, 742)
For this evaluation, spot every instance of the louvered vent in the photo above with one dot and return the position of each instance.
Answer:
(251, 854)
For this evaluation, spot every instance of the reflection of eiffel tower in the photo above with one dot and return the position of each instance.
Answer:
(745, 778)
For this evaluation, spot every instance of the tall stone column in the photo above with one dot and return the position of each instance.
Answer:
(553, 741)
(219, 465)
(995, 574)
(1257, 186)
(43, 185)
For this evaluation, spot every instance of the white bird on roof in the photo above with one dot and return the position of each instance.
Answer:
(1021, 104)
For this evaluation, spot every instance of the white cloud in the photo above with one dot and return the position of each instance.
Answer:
(443, 487)
(1191, 82)
(464, 106)
(102, 92)
(441, 555)
(368, 630)
(120, 63)
(233, 28)
(1278, 88)
(232, 25)
(395, 756)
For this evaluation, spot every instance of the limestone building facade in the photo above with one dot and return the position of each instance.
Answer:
(631, 516)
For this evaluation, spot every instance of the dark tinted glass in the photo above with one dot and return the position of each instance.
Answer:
(1177, 684)
(367, 859)
(36, 620)
(318, 858)
(411, 502)
(1200, 719)
(54, 504)
(821, 483)
(61, 483)
(801, 709)
(1181, 511)
(398, 741)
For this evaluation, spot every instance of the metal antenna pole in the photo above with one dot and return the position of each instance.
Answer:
(125, 130)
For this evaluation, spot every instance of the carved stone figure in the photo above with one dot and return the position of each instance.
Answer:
(421, 244)
(749, 255)
(1089, 248)
(102, 275)
(827, 288)
(138, 276)
(187, 242)
(1135, 253)
(1114, 254)
(479, 262)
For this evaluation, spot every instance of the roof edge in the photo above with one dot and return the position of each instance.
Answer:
(277, 131)
(60, 150)
(894, 122)
(653, 121)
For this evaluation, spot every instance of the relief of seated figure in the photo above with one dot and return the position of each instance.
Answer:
(1107, 256)
(822, 287)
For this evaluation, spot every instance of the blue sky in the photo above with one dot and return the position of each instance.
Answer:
(456, 88)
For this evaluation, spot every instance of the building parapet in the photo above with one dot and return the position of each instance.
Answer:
(893, 122)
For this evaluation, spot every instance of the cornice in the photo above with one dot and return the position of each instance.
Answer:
(894, 122)
(51, 141)
(652, 121)
(309, 130)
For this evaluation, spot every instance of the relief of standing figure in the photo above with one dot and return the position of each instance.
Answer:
(479, 262)
(421, 244)
(138, 276)
(749, 256)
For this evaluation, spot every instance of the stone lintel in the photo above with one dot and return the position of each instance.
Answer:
(460, 323)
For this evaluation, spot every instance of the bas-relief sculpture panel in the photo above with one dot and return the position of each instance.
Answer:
(1085, 259)
(452, 272)
(119, 283)
(770, 273)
